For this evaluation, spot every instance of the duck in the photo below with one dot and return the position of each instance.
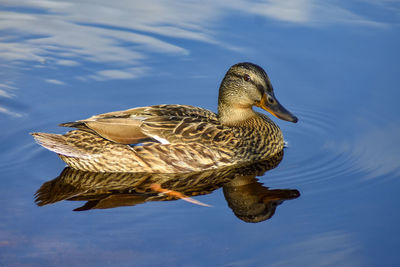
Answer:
(174, 138)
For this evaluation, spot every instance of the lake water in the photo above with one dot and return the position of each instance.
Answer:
(332, 199)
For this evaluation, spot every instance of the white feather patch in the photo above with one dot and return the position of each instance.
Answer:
(161, 140)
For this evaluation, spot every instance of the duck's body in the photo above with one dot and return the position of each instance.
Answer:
(178, 138)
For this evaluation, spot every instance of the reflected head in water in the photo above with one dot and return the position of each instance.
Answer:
(179, 138)
(253, 202)
(110, 190)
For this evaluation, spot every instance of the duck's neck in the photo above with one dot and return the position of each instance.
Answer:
(235, 115)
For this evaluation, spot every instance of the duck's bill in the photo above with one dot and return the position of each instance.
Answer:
(276, 109)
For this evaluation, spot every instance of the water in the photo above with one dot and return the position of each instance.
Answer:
(333, 64)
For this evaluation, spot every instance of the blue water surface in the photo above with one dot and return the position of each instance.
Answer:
(334, 64)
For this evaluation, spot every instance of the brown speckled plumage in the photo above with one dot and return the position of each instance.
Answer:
(79, 185)
(178, 138)
(249, 199)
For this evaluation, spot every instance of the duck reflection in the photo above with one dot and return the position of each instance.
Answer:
(249, 199)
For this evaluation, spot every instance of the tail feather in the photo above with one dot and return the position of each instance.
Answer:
(73, 124)
(58, 144)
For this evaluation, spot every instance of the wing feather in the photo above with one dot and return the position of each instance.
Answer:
(162, 123)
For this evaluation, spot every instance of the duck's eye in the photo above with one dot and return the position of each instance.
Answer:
(246, 77)
(270, 100)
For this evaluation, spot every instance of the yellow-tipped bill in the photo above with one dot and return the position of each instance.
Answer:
(271, 104)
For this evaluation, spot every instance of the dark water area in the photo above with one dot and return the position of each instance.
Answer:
(331, 199)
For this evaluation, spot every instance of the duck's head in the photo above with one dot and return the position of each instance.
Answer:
(246, 85)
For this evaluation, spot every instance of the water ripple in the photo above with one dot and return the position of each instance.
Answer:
(339, 151)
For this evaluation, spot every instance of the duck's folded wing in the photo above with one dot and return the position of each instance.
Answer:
(164, 123)
(187, 130)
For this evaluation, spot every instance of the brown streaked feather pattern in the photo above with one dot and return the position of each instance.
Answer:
(179, 138)
(196, 142)
(108, 156)
(75, 184)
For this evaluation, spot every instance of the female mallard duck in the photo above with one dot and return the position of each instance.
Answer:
(179, 138)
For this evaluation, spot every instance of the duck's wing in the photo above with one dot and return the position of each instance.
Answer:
(164, 123)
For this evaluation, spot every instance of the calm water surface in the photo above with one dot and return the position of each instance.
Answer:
(332, 199)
